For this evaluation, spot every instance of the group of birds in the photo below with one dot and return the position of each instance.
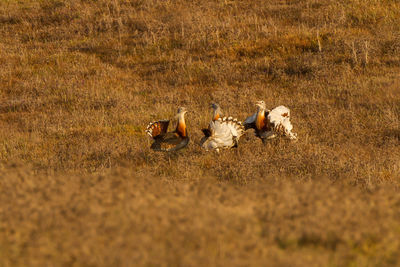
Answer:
(223, 132)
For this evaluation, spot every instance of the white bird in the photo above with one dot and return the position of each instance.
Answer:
(221, 133)
(269, 124)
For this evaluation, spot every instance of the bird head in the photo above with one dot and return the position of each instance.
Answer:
(181, 113)
(260, 104)
(214, 106)
(182, 110)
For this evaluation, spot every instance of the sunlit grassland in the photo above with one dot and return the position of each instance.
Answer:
(80, 81)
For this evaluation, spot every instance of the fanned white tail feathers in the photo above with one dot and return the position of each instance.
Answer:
(225, 133)
(279, 117)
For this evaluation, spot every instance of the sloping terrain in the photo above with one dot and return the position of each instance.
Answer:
(80, 81)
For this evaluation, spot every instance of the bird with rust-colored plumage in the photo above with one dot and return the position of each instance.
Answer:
(269, 124)
(169, 141)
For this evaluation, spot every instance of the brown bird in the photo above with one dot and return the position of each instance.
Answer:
(269, 124)
(169, 141)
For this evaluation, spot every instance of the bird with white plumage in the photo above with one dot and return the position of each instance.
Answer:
(222, 133)
(269, 124)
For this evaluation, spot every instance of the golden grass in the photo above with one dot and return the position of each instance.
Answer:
(80, 80)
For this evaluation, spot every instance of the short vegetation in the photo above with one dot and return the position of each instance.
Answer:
(80, 80)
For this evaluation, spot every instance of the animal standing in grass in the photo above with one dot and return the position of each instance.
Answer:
(169, 141)
(221, 132)
(269, 124)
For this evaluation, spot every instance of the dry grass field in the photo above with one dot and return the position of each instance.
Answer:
(80, 80)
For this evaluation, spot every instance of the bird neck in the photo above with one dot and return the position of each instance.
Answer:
(216, 114)
(181, 126)
(260, 118)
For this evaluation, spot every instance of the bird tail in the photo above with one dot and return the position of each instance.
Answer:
(157, 128)
(235, 126)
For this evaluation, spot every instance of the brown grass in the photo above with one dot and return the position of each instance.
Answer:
(80, 80)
